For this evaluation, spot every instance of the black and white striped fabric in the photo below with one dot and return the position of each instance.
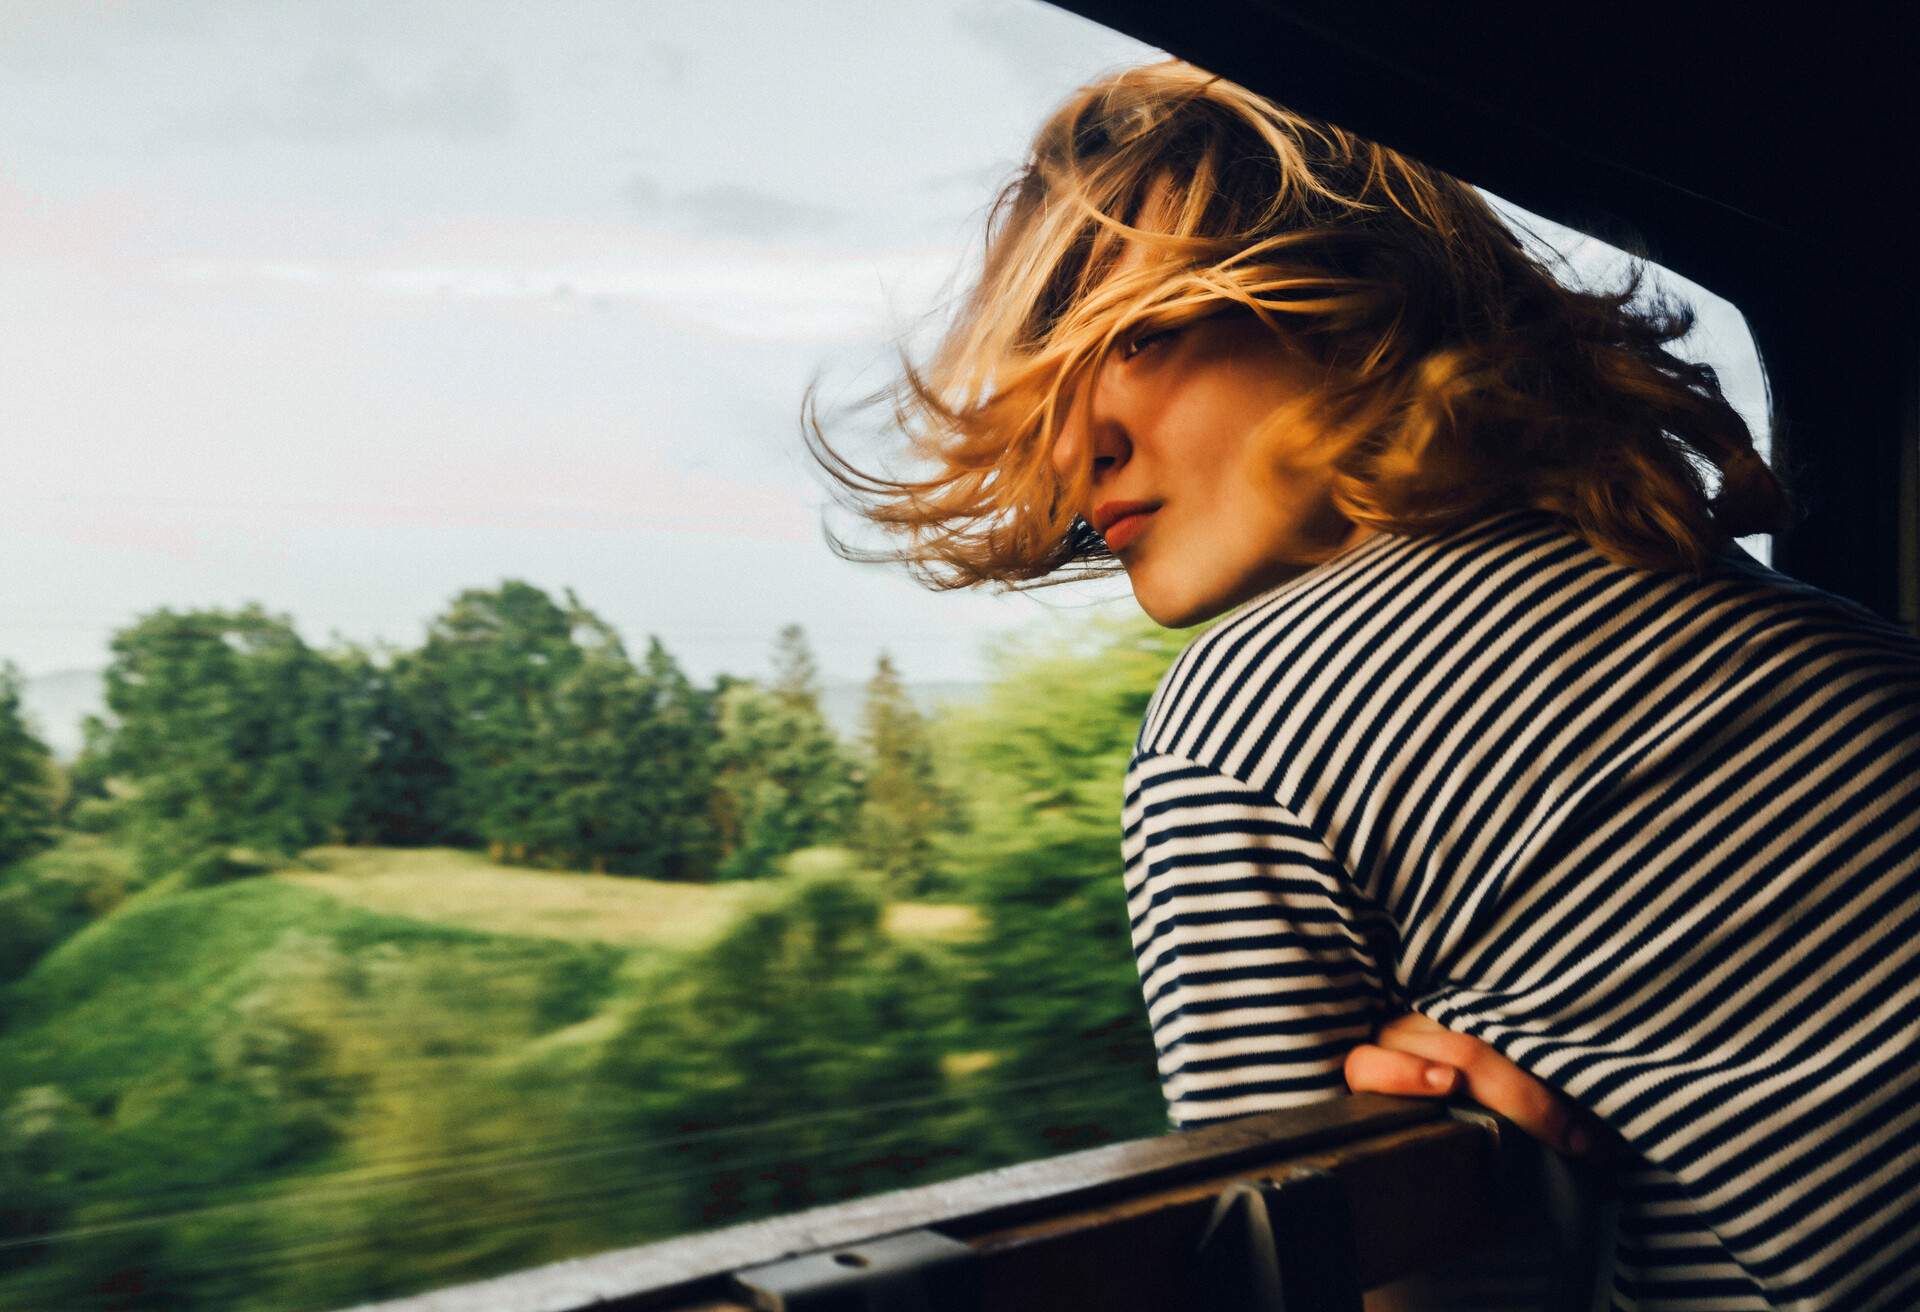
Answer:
(1653, 837)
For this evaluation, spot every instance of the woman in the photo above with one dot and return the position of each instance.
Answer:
(1512, 777)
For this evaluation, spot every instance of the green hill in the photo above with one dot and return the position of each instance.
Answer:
(359, 1077)
(195, 1064)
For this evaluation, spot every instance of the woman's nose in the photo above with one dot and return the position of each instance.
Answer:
(1092, 429)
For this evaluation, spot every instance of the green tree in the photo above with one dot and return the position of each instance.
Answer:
(229, 728)
(482, 687)
(594, 816)
(28, 800)
(793, 1063)
(796, 676)
(677, 756)
(785, 781)
(1053, 988)
(89, 802)
(402, 794)
(726, 798)
(628, 752)
(904, 809)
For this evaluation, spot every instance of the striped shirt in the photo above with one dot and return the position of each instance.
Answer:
(1653, 837)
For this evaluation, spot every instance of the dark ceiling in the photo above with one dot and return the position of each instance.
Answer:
(1672, 121)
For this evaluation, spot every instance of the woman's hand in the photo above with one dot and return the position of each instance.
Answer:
(1414, 1057)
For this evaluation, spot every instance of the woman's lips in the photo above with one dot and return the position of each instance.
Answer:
(1126, 529)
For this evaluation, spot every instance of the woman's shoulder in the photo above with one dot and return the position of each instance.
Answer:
(1816, 603)
(1519, 589)
(1309, 611)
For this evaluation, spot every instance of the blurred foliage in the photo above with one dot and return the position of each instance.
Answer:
(50, 897)
(904, 808)
(90, 805)
(376, 1071)
(213, 1089)
(782, 781)
(29, 799)
(795, 1062)
(1052, 984)
(227, 726)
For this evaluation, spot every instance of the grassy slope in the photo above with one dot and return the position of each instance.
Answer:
(221, 1049)
(224, 1048)
(314, 1070)
(452, 887)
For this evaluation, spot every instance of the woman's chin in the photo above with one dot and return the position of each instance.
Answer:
(1174, 611)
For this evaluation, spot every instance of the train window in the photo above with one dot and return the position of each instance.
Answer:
(464, 817)
(486, 823)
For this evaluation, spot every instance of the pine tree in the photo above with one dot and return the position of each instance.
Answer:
(726, 804)
(626, 761)
(590, 750)
(679, 759)
(785, 781)
(796, 677)
(903, 809)
(27, 798)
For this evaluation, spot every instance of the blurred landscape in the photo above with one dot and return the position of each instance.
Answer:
(329, 976)
(334, 970)
(57, 704)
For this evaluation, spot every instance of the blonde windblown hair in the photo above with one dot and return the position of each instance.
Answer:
(1459, 376)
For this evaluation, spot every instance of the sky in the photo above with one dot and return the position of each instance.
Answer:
(343, 307)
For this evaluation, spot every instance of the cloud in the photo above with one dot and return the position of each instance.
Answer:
(544, 485)
(732, 287)
(634, 491)
(35, 227)
(337, 99)
(728, 208)
(119, 528)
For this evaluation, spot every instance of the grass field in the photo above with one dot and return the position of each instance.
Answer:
(450, 887)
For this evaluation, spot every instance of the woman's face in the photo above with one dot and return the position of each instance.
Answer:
(1168, 424)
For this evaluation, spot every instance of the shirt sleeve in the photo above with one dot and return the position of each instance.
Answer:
(1261, 964)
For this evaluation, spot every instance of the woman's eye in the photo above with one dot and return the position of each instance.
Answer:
(1141, 341)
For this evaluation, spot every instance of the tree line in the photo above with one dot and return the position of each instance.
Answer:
(807, 1054)
(521, 724)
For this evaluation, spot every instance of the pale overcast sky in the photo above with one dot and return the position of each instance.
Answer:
(342, 307)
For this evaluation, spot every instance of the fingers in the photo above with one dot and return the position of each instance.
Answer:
(1373, 1069)
(1497, 1083)
(1491, 1080)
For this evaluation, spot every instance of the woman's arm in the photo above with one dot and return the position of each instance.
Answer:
(1264, 974)
(1414, 1057)
(1261, 968)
